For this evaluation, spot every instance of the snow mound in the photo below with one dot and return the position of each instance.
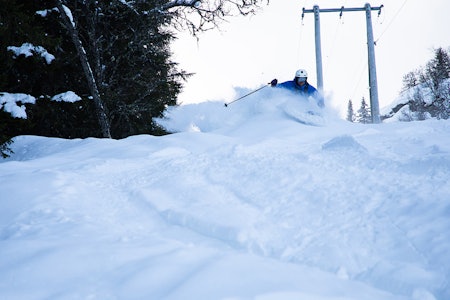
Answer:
(344, 142)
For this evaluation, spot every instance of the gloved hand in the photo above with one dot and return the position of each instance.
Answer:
(274, 82)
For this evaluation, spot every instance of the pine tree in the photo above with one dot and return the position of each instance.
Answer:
(37, 23)
(350, 113)
(437, 71)
(128, 53)
(132, 65)
(438, 68)
(5, 138)
(363, 115)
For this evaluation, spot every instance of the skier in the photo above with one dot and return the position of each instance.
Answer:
(300, 85)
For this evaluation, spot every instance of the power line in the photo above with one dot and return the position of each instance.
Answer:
(300, 39)
(335, 38)
(299, 46)
(363, 68)
(390, 23)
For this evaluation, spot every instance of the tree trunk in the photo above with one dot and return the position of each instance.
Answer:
(100, 108)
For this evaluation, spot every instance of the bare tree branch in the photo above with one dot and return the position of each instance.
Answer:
(202, 15)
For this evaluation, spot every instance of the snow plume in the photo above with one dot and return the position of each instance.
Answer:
(28, 49)
(269, 103)
(243, 202)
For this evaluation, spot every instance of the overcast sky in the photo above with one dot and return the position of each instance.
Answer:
(251, 51)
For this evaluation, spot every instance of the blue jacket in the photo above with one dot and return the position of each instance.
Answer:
(304, 90)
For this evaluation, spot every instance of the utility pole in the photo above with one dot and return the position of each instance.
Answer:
(374, 104)
(318, 48)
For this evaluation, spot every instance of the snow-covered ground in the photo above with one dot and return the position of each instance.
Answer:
(244, 202)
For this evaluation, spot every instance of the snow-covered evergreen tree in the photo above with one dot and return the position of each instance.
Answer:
(363, 115)
(437, 73)
(350, 112)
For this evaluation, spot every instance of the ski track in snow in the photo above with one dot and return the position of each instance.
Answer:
(363, 204)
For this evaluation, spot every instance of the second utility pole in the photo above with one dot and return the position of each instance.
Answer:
(374, 104)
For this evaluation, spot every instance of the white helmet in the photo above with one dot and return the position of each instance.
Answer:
(301, 73)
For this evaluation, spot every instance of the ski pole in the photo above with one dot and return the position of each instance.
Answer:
(226, 104)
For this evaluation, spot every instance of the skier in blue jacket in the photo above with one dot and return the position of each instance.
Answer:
(300, 85)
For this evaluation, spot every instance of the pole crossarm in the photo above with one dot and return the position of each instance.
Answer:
(341, 10)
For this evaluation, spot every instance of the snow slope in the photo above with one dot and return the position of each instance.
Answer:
(243, 202)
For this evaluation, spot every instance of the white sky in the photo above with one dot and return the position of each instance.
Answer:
(249, 52)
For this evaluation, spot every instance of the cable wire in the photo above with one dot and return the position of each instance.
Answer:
(390, 23)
